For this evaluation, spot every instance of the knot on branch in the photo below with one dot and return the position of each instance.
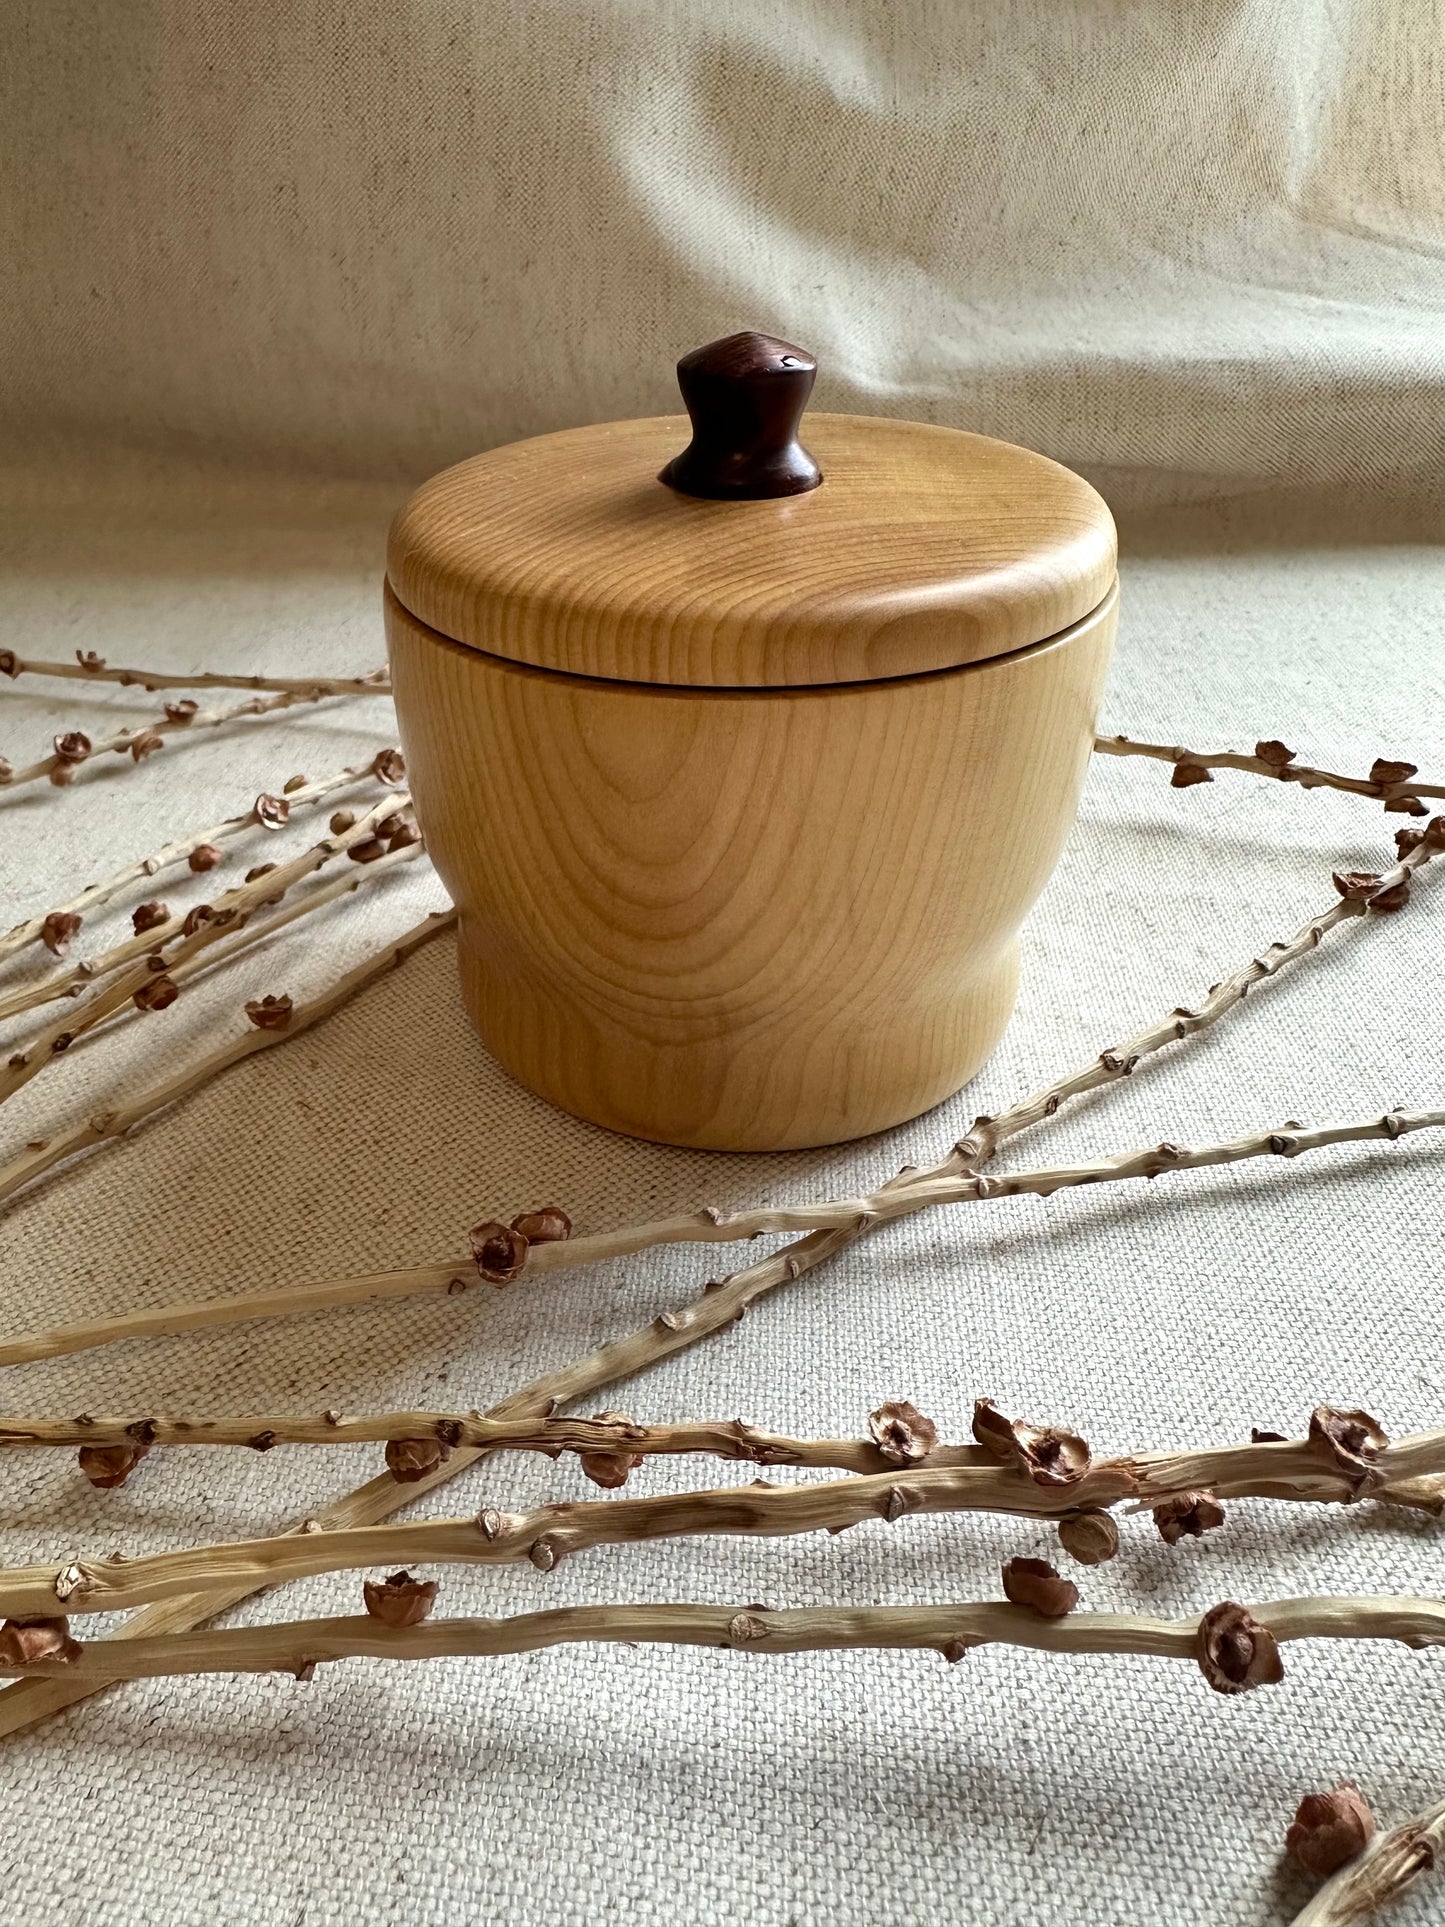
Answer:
(1049, 1455)
(1165, 1157)
(899, 1500)
(70, 1579)
(71, 748)
(389, 766)
(611, 1469)
(182, 711)
(1235, 1652)
(746, 1629)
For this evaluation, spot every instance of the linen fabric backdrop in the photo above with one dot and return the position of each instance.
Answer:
(266, 267)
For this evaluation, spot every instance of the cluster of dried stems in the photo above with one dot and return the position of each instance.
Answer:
(1016, 1468)
(199, 851)
(147, 972)
(1013, 1467)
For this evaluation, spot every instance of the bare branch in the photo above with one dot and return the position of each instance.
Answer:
(1403, 1471)
(72, 984)
(74, 749)
(1392, 783)
(950, 1630)
(848, 1215)
(88, 667)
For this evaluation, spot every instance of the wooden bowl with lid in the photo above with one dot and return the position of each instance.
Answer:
(743, 760)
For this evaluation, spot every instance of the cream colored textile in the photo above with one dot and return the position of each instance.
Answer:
(1191, 248)
(1195, 251)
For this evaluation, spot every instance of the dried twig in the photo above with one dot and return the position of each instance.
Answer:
(851, 1216)
(545, 1535)
(75, 749)
(259, 932)
(169, 857)
(1389, 1864)
(969, 1481)
(190, 936)
(1392, 783)
(903, 1199)
(89, 667)
(45, 1153)
(1406, 1471)
(950, 1630)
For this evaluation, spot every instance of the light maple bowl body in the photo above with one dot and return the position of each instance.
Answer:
(724, 880)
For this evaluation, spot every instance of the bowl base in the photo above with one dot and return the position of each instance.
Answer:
(767, 1092)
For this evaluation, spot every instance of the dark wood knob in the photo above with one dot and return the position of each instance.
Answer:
(746, 395)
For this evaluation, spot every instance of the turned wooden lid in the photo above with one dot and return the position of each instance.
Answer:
(744, 558)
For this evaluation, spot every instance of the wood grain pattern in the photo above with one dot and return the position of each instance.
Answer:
(924, 548)
(744, 920)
